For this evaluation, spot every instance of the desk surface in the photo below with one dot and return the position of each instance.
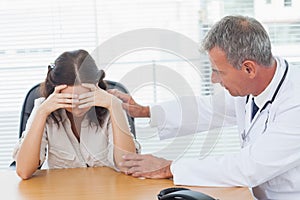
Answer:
(96, 183)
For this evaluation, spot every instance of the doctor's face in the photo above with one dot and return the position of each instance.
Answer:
(232, 79)
(78, 90)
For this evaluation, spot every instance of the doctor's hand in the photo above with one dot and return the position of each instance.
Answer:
(131, 107)
(146, 166)
(58, 100)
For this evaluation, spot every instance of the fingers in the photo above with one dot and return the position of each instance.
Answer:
(87, 99)
(86, 102)
(139, 171)
(83, 97)
(58, 88)
(135, 172)
(133, 156)
(130, 106)
(131, 160)
(130, 163)
(124, 97)
(132, 167)
(126, 106)
(96, 97)
(147, 166)
(59, 100)
(65, 98)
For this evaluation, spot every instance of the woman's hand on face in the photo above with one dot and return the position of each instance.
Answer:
(59, 100)
(96, 97)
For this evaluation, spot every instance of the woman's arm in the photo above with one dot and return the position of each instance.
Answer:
(122, 138)
(28, 155)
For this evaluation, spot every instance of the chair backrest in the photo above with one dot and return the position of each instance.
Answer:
(27, 107)
(34, 93)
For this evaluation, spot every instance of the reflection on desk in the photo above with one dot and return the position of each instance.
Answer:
(96, 183)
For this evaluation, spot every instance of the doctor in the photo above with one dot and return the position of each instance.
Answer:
(264, 103)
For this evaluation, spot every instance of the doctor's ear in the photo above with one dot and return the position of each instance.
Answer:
(249, 68)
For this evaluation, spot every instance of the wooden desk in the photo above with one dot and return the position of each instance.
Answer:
(95, 183)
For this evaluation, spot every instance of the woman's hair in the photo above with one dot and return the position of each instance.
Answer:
(241, 38)
(73, 68)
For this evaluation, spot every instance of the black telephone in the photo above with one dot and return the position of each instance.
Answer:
(178, 193)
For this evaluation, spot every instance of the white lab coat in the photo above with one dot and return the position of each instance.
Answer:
(269, 161)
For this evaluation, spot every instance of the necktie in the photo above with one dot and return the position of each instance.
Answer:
(254, 109)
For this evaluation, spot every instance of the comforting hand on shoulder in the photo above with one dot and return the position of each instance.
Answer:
(133, 109)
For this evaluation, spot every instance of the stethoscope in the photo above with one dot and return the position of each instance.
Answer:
(269, 102)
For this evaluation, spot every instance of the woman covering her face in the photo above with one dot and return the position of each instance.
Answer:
(76, 123)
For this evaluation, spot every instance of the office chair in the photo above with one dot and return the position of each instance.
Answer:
(34, 93)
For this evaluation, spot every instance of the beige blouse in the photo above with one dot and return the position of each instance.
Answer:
(61, 149)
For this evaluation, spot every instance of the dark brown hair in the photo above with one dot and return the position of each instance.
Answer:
(73, 68)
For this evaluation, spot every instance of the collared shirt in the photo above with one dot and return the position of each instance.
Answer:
(268, 92)
(261, 99)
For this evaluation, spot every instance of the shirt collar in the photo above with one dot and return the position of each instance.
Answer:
(267, 94)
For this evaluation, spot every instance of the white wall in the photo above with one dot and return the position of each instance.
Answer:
(276, 11)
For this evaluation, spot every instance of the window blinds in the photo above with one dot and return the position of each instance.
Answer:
(34, 33)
